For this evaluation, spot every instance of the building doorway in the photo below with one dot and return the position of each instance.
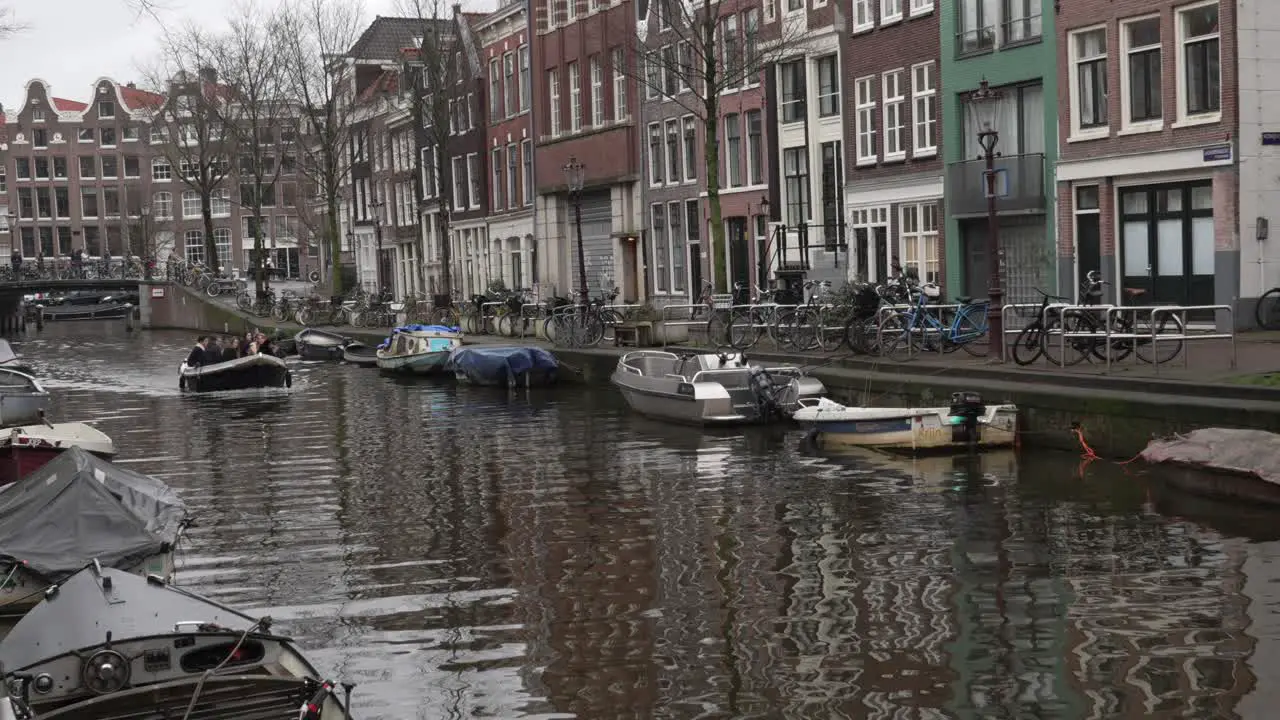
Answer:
(1167, 242)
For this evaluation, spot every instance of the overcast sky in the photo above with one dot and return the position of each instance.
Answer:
(71, 43)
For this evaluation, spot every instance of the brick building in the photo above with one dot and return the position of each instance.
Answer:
(574, 36)
(476, 263)
(892, 131)
(1147, 177)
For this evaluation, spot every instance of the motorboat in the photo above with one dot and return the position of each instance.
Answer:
(109, 645)
(78, 509)
(27, 448)
(90, 306)
(360, 355)
(260, 370)
(968, 423)
(503, 366)
(711, 388)
(418, 349)
(23, 400)
(316, 344)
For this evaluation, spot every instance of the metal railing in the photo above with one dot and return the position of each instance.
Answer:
(1109, 332)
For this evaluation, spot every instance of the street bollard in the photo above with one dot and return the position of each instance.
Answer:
(39, 317)
(128, 317)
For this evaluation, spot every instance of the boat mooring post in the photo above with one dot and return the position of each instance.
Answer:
(128, 317)
(40, 317)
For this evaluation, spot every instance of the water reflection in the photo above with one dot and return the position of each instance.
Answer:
(544, 554)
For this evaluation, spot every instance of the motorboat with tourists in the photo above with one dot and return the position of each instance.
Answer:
(503, 366)
(418, 349)
(967, 424)
(77, 509)
(316, 344)
(259, 370)
(360, 355)
(27, 448)
(23, 400)
(711, 388)
(109, 645)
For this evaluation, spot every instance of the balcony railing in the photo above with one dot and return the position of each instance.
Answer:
(972, 42)
(1021, 184)
(1020, 30)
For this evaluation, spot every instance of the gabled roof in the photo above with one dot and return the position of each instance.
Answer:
(65, 105)
(385, 36)
(137, 99)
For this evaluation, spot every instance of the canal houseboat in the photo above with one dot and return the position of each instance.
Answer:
(418, 349)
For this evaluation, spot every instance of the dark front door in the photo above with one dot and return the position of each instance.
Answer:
(739, 260)
(976, 275)
(695, 272)
(1088, 245)
(1167, 243)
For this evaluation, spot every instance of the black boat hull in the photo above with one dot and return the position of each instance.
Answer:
(247, 373)
(86, 312)
(307, 351)
(360, 355)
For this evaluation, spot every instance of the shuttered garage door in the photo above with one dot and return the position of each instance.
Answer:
(597, 243)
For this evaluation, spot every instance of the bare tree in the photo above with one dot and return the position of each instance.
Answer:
(313, 37)
(693, 52)
(191, 123)
(10, 24)
(258, 116)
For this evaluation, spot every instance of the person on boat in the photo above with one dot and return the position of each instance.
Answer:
(230, 349)
(213, 354)
(264, 345)
(247, 345)
(199, 354)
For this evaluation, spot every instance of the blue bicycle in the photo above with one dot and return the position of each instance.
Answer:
(928, 328)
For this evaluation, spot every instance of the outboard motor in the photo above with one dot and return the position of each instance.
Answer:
(765, 392)
(967, 407)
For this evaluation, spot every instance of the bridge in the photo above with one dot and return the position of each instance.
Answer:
(28, 286)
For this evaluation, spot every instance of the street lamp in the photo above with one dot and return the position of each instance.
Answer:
(985, 107)
(377, 206)
(148, 259)
(762, 279)
(575, 178)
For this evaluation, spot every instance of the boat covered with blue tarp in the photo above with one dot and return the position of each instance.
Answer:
(419, 349)
(507, 366)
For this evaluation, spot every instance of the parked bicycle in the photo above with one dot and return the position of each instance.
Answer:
(924, 328)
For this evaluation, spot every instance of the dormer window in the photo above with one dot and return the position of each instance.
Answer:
(106, 109)
(37, 115)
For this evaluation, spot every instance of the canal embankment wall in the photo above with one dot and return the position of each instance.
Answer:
(1116, 415)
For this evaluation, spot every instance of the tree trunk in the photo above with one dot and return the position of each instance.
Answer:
(210, 247)
(335, 245)
(718, 270)
(259, 269)
(446, 253)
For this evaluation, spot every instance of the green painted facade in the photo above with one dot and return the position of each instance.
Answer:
(1000, 66)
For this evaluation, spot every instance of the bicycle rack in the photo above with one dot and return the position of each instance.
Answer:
(1157, 337)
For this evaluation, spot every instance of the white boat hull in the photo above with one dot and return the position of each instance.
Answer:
(906, 429)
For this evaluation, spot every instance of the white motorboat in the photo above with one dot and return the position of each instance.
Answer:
(23, 400)
(27, 448)
(711, 388)
(967, 423)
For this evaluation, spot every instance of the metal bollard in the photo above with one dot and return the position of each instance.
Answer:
(128, 317)
(39, 317)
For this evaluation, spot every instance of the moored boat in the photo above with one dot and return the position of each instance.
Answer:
(244, 373)
(967, 423)
(418, 349)
(11, 360)
(108, 645)
(44, 536)
(360, 355)
(313, 344)
(503, 366)
(709, 388)
(27, 448)
(23, 400)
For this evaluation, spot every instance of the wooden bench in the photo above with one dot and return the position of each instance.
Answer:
(633, 334)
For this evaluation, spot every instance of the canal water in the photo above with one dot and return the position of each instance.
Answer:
(459, 552)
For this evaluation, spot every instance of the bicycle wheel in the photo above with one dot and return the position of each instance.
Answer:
(244, 302)
(804, 329)
(504, 326)
(897, 336)
(1267, 311)
(860, 335)
(781, 329)
(1027, 347)
(446, 316)
(357, 318)
(213, 290)
(970, 332)
(1162, 351)
(718, 328)
(549, 330)
(302, 315)
(590, 329)
(828, 329)
(280, 311)
(1066, 351)
(743, 333)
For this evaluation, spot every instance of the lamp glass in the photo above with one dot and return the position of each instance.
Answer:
(575, 174)
(985, 108)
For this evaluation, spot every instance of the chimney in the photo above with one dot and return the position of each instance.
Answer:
(209, 75)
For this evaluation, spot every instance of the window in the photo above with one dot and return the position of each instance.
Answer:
(110, 201)
(661, 247)
(429, 173)
(510, 87)
(42, 168)
(220, 201)
(40, 138)
(495, 94)
(59, 168)
(890, 11)
(193, 246)
(85, 135)
(870, 254)
(795, 5)
(526, 88)
(894, 122)
(918, 240)
(553, 86)
(459, 183)
(1088, 232)
(222, 240)
(619, 85)
(108, 136)
(690, 148)
(130, 133)
(652, 78)
(1089, 57)
(1199, 69)
(513, 173)
(161, 170)
(976, 20)
(571, 10)
(655, 154)
(37, 115)
(866, 120)
(924, 109)
(755, 148)
(1021, 21)
(89, 202)
(24, 167)
(162, 205)
(110, 166)
(597, 92)
(473, 170)
(106, 109)
(863, 16)
(526, 156)
(793, 90)
(731, 44)
(795, 168)
(921, 6)
(61, 202)
(190, 204)
(733, 150)
(4, 185)
(159, 133)
(828, 86)
(674, 161)
(498, 186)
(131, 166)
(575, 98)
(1021, 123)
(1140, 81)
(832, 190)
(670, 72)
(677, 233)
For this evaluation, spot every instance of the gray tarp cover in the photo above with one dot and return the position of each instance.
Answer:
(79, 508)
(1253, 452)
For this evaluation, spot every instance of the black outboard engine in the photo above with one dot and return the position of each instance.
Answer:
(968, 408)
(765, 392)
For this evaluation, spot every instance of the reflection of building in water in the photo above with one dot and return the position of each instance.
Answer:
(1158, 626)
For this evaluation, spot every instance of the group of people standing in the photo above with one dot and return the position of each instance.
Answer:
(211, 349)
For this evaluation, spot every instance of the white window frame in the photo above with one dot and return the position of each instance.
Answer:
(553, 86)
(870, 218)
(526, 172)
(597, 92)
(618, 57)
(190, 204)
(522, 61)
(864, 9)
(1184, 117)
(770, 10)
(894, 98)
(891, 12)
(161, 170)
(429, 176)
(513, 167)
(570, 10)
(924, 110)
(459, 163)
(660, 162)
(921, 7)
(865, 120)
(575, 97)
(920, 237)
(498, 162)
(1073, 83)
(162, 205)
(689, 155)
(676, 169)
(1127, 125)
(474, 168)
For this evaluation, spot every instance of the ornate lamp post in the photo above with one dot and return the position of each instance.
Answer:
(14, 240)
(575, 178)
(985, 107)
(377, 206)
(148, 250)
